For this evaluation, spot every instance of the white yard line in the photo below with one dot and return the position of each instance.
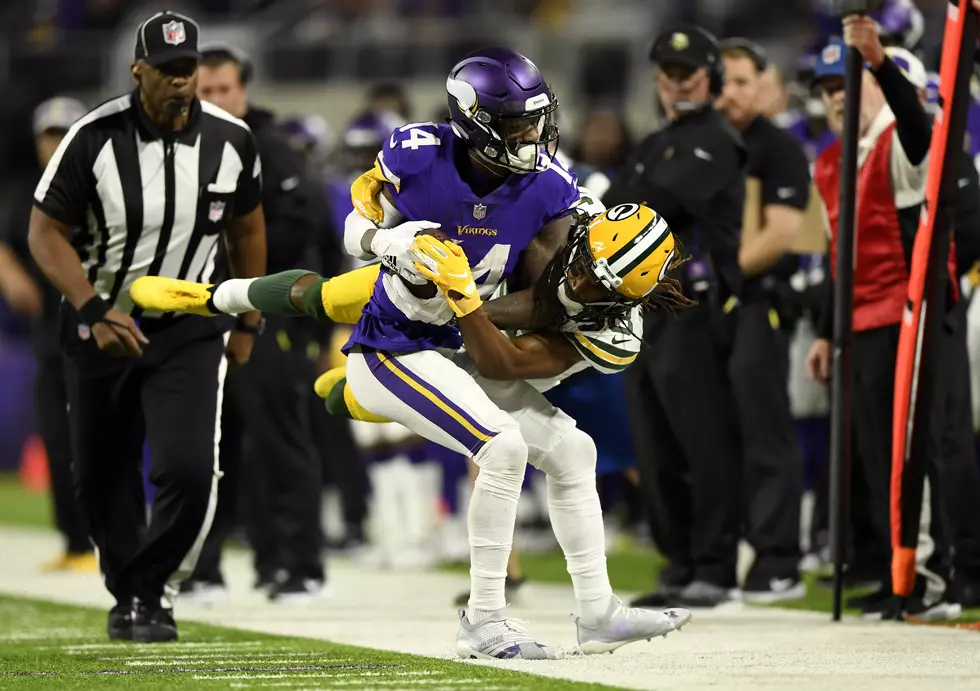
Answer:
(735, 649)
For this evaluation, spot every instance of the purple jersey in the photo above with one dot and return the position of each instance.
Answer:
(418, 164)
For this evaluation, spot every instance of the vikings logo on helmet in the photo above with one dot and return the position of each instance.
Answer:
(501, 106)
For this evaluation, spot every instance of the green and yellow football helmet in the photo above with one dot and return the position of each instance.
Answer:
(627, 249)
(625, 252)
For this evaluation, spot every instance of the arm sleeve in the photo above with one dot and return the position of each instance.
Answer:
(786, 178)
(914, 127)
(249, 192)
(65, 187)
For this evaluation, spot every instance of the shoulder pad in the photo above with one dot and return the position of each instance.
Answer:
(411, 149)
(610, 348)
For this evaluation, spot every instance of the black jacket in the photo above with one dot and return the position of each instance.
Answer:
(296, 217)
(692, 173)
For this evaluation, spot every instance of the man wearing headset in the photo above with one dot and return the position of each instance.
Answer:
(761, 318)
(685, 433)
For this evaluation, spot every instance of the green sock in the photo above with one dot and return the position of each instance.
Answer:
(272, 293)
(336, 405)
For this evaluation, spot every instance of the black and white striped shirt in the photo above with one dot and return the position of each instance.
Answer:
(150, 202)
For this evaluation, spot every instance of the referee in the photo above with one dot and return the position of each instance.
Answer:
(759, 365)
(155, 179)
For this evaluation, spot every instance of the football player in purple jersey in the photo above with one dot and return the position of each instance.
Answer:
(490, 182)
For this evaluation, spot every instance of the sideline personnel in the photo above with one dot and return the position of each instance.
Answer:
(684, 429)
(278, 473)
(155, 179)
(892, 158)
(759, 367)
(27, 290)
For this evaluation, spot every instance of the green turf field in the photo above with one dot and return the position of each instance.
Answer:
(43, 645)
(22, 508)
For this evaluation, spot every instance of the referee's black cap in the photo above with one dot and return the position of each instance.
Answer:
(167, 36)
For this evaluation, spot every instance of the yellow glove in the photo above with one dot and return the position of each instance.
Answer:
(161, 294)
(445, 264)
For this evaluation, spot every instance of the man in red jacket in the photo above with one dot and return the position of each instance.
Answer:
(893, 147)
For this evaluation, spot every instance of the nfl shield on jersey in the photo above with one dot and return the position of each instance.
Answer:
(418, 166)
(216, 211)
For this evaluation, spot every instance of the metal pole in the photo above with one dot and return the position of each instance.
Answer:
(842, 381)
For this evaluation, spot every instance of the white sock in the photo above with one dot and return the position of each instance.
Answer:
(491, 517)
(231, 297)
(576, 517)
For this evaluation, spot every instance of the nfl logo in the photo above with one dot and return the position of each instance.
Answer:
(216, 211)
(479, 211)
(831, 54)
(173, 33)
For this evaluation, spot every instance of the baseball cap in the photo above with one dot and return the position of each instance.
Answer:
(58, 113)
(685, 45)
(167, 36)
(831, 61)
(911, 66)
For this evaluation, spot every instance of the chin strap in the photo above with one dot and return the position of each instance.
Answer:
(571, 306)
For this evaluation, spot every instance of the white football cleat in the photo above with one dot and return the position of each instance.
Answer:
(499, 638)
(622, 625)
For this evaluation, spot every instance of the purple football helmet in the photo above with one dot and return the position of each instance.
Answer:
(501, 106)
(364, 138)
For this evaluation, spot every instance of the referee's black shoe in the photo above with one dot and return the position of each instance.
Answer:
(153, 623)
(121, 622)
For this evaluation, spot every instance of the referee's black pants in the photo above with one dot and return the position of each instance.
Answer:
(172, 397)
(227, 514)
(686, 442)
(282, 471)
(772, 460)
(51, 402)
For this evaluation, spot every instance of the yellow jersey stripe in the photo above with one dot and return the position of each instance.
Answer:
(602, 354)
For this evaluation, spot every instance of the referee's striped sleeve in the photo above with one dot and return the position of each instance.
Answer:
(64, 190)
(249, 193)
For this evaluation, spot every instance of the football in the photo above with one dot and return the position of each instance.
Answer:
(427, 290)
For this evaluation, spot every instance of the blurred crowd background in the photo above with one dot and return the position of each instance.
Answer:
(327, 69)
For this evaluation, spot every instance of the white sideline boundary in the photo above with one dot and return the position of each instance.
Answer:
(734, 649)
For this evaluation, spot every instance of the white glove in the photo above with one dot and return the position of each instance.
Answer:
(393, 246)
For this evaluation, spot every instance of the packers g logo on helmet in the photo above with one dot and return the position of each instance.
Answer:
(631, 248)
